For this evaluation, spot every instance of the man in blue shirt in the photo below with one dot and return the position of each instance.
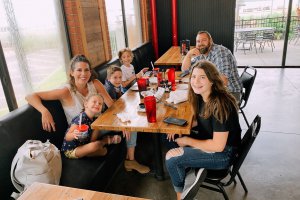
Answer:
(220, 56)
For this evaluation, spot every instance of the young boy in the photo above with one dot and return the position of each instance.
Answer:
(113, 86)
(128, 72)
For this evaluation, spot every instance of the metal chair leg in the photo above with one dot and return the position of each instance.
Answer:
(242, 182)
(222, 190)
(245, 118)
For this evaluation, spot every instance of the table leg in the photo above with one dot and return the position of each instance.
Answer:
(159, 168)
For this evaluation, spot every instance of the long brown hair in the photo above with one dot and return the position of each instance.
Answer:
(220, 101)
(77, 59)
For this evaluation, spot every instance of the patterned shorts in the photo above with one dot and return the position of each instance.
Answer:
(71, 154)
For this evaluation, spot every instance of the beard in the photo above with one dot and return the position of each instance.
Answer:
(204, 49)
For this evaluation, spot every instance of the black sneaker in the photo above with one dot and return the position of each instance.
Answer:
(193, 180)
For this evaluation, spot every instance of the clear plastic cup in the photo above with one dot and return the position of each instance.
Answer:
(83, 130)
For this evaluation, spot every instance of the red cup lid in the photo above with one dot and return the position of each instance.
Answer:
(82, 127)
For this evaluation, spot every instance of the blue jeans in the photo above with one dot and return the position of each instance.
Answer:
(195, 158)
(132, 141)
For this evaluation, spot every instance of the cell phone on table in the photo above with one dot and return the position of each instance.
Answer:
(142, 106)
(176, 121)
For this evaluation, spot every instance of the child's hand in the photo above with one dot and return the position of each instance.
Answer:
(139, 75)
(76, 133)
(145, 69)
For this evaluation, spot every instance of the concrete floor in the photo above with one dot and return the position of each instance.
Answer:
(271, 169)
(269, 57)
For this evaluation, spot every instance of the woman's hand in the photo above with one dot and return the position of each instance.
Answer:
(182, 141)
(171, 136)
(47, 121)
(127, 134)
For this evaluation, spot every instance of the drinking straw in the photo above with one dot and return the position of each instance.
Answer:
(80, 119)
(152, 66)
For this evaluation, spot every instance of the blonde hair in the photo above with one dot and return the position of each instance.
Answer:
(76, 59)
(112, 69)
(122, 51)
(89, 97)
(220, 101)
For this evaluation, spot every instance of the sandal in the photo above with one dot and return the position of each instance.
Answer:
(116, 139)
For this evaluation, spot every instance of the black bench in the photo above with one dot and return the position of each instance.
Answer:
(24, 123)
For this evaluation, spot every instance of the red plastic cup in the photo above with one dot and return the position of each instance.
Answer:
(83, 129)
(150, 105)
(171, 77)
(142, 85)
(159, 78)
(147, 81)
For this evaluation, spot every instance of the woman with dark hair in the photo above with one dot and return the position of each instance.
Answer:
(218, 132)
(82, 83)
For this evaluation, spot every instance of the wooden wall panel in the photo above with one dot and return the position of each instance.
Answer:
(91, 31)
(88, 30)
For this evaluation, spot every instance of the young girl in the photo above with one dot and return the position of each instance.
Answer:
(219, 132)
(128, 73)
(76, 147)
(113, 87)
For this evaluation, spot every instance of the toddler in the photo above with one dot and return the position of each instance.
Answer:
(76, 147)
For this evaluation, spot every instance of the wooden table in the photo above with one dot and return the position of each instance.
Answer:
(128, 103)
(172, 57)
(42, 191)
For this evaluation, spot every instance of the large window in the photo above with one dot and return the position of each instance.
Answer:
(260, 29)
(34, 43)
(117, 26)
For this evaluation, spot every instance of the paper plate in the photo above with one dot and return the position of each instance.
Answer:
(182, 87)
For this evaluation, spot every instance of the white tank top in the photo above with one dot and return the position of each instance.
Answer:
(78, 99)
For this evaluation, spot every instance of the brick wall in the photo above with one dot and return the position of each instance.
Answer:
(73, 24)
(86, 29)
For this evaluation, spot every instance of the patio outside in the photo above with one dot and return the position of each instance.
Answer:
(266, 14)
(267, 57)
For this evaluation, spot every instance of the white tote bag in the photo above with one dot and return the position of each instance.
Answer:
(35, 161)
